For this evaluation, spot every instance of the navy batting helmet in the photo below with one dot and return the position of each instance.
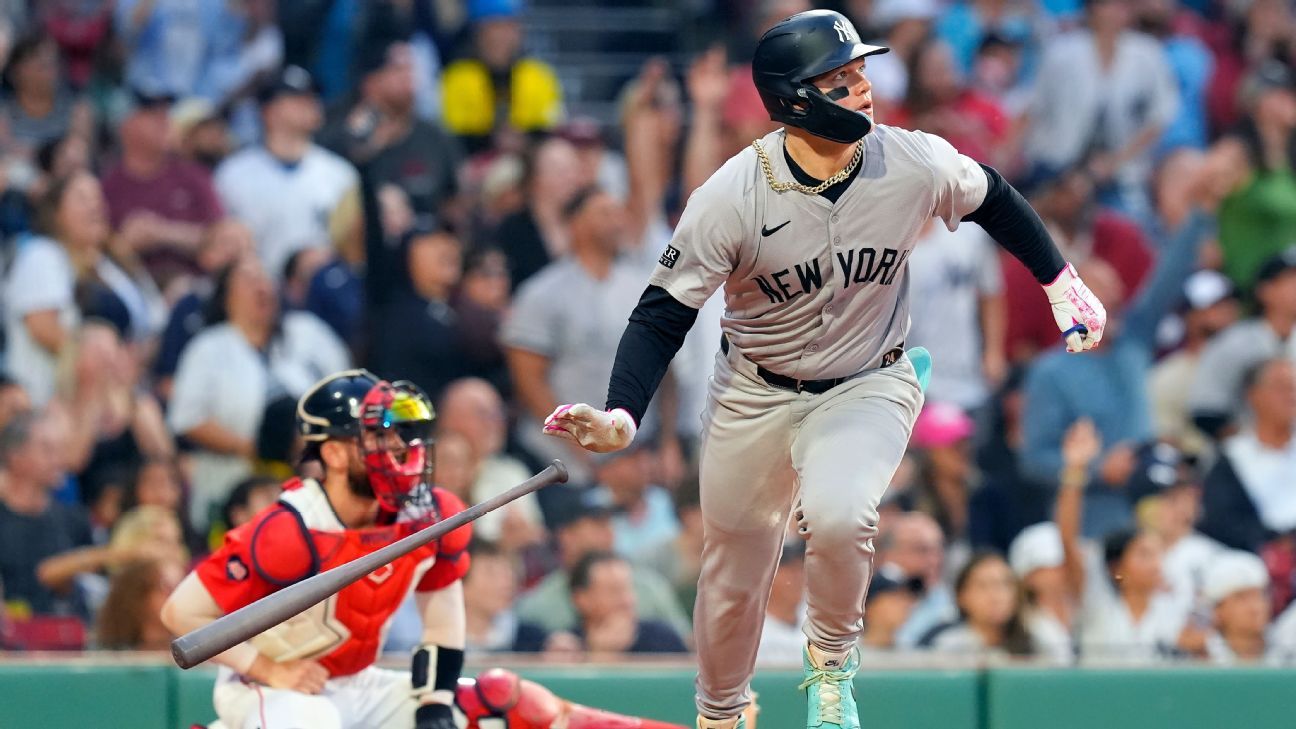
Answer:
(796, 50)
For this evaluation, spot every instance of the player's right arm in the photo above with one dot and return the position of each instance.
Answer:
(700, 256)
(191, 606)
(238, 574)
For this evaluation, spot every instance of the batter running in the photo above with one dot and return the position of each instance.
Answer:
(813, 397)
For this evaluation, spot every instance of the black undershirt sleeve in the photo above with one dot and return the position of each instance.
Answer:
(655, 333)
(1017, 228)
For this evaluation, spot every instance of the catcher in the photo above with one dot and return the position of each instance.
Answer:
(373, 440)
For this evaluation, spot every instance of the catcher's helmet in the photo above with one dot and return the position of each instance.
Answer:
(798, 49)
(391, 423)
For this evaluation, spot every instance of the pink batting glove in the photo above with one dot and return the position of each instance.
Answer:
(1078, 313)
(594, 430)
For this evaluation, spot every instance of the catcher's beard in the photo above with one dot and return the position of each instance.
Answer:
(358, 480)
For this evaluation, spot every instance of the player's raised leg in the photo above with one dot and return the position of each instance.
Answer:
(845, 454)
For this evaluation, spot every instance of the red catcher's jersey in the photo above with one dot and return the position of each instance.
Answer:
(301, 536)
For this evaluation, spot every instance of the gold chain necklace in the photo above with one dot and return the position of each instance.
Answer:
(777, 186)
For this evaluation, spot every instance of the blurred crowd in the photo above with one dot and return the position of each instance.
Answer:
(207, 206)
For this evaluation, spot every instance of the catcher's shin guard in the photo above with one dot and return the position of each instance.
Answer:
(523, 704)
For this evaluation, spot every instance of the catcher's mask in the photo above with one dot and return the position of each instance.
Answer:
(390, 422)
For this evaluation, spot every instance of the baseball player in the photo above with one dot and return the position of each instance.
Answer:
(813, 397)
(374, 440)
(315, 671)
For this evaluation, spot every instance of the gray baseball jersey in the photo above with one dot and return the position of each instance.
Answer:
(817, 290)
(813, 290)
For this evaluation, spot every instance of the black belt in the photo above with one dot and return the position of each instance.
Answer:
(816, 387)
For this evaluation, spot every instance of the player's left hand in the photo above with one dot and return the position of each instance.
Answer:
(434, 716)
(594, 430)
(1078, 313)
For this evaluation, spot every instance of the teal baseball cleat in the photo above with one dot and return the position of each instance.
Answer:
(830, 689)
(921, 360)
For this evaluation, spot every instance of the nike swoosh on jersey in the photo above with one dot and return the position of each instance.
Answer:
(766, 232)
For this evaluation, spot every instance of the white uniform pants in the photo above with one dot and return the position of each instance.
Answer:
(764, 450)
(374, 698)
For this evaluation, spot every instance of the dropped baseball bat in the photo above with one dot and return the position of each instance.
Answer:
(228, 631)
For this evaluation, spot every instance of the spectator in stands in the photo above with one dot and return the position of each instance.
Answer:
(991, 620)
(291, 192)
(416, 335)
(81, 30)
(907, 25)
(555, 355)
(382, 133)
(250, 497)
(44, 544)
(887, 607)
(781, 637)
(37, 109)
(608, 622)
(300, 268)
(997, 72)
(151, 531)
(1258, 217)
(1048, 610)
(1248, 497)
(958, 314)
(13, 400)
(114, 422)
(1218, 390)
(1191, 63)
(912, 546)
(473, 409)
(1103, 97)
(248, 355)
(225, 242)
(1125, 612)
(130, 618)
(1111, 387)
(157, 482)
(1083, 231)
(201, 133)
(489, 589)
(582, 524)
(966, 25)
(652, 115)
(1209, 307)
(538, 234)
(680, 559)
(481, 303)
(1235, 589)
(454, 465)
(942, 445)
(645, 516)
(938, 101)
(41, 311)
(600, 164)
(159, 204)
(172, 46)
(496, 87)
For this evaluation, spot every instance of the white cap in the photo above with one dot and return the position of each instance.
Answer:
(887, 13)
(1231, 572)
(1206, 288)
(1036, 547)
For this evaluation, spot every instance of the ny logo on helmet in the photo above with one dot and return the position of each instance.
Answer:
(844, 32)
